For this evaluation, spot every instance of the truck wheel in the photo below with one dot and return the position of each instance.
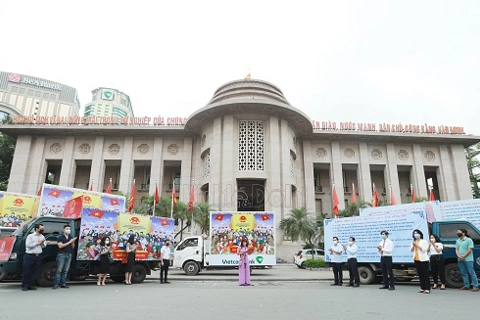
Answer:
(453, 276)
(191, 268)
(367, 275)
(118, 279)
(46, 276)
(139, 273)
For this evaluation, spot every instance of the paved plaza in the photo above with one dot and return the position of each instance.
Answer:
(282, 292)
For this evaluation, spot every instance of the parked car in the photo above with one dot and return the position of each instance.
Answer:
(305, 254)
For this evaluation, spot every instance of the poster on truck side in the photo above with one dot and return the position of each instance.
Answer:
(228, 228)
(64, 202)
(150, 234)
(366, 231)
(15, 208)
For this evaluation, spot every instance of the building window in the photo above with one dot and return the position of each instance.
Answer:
(206, 165)
(251, 150)
(37, 94)
(21, 91)
(14, 89)
(123, 101)
(30, 92)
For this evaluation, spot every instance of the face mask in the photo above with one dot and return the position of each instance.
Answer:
(107, 243)
(335, 241)
(432, 239)
(459, 234)
(40, 231)
(350, 242)
(68, 231)
(384, 236)
(416, 236)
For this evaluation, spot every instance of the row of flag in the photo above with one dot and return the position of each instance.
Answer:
(156, 197)
(375, 200)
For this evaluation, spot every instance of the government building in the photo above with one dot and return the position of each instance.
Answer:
(248, 149)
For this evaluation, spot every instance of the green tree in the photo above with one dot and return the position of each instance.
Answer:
(182, 214)
(7, 149)
(353, 209)
(146, 205)
(473, 164)
(300, 225)
(201, 216)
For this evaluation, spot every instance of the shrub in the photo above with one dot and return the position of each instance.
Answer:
(314, 263)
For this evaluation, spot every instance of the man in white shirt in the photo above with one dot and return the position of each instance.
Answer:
(336, 255)
(165, 262)
(31, 260)
(352, 264)
(385, 249)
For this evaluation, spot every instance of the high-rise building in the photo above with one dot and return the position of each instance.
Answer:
(26, 95)
(107, 102)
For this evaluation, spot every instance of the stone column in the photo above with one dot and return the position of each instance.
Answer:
(447, 183)
(309, 190)
(67, 174)
(275, 196)
(459, 165)
(38, 169)
(216, 165)
(18, 181)
(156, 166)
(392, 171)
(126, 169)
(97, 171)
(418, 173)
(229, 154)
(186, 169)
(364, 177)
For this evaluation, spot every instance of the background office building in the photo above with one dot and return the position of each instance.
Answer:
(107, 102)
(26, 95)
(248, 149)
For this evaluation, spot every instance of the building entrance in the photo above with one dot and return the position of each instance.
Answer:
(250, 195)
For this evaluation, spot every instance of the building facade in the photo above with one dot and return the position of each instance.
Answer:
(22, 95)
(107, 102)
(248, 149)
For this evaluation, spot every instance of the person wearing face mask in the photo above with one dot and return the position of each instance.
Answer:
(385, 249)
(351, 251)
(130, 250)
(336, 255)
(437, 263)
(464, 251)
(104, 260)
(419, 248)
(34, 245)
(66, 244)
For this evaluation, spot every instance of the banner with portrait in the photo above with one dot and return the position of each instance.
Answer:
(15, 208)
(227, 229)
(150, 233)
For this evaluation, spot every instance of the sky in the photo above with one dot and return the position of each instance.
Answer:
(408, 62)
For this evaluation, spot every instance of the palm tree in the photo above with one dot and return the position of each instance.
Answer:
(353, 209)
(201, 216)
(473, 164)
(145, 206)
(182, 214)
(300, 225)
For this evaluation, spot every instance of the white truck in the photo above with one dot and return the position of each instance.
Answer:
(219, 249)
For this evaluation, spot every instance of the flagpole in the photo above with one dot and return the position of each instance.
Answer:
(171, 209)
(191, 222)
(154, 196)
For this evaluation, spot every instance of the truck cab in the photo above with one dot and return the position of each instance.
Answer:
(190, 256)
(447, 232)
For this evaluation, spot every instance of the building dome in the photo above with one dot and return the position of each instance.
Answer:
(249, 96)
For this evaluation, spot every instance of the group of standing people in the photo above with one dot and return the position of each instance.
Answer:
(427, 257)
